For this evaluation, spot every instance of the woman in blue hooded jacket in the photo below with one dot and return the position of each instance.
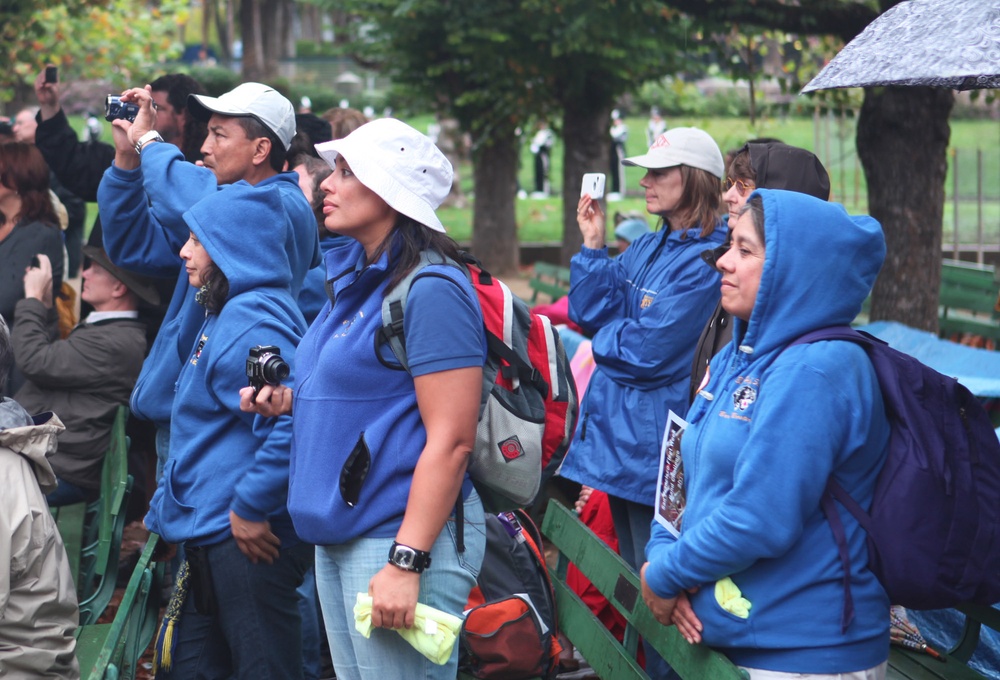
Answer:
(224, 490)
(755, 570)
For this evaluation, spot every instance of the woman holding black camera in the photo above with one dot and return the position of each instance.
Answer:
(380, 453)
(223, 494)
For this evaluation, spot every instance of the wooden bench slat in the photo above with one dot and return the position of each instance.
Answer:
(909, 665)
(606, 655)
(106, 650)
(612, 576)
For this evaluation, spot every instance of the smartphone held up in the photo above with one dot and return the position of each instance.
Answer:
(593, 185)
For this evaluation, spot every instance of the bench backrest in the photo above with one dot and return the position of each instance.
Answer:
(112, 650)
(613, 577)
(968, 299)
(550, 279)
(101, 547)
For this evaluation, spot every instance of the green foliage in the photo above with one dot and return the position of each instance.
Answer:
(216, 79)
(112, 39)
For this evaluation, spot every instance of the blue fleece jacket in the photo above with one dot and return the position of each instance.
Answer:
(142, 216)
(764, 435)
(313, 295)
(645, 310)
(221, 458)
(348, 396)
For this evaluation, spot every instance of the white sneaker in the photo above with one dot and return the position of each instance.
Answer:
(539, 194)
(614, 196)
(522, 194)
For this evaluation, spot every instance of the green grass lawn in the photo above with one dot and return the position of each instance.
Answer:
(832, 140)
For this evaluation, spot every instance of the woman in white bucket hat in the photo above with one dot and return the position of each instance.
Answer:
(379, 453)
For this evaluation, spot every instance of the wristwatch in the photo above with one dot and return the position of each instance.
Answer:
(409, 559)
(151, 136)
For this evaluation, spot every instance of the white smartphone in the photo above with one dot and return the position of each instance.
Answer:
(593, 184)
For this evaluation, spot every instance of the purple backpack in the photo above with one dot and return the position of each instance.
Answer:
(934, 525)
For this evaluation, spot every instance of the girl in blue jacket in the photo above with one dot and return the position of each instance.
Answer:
(755, 569)
(379, 453)
(223, 493)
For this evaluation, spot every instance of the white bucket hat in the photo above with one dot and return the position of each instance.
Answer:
(401, 165)
(682, 146)
(255, 100)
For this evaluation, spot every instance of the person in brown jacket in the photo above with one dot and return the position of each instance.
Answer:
(84, 378)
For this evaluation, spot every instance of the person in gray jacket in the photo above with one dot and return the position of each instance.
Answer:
(38, 607)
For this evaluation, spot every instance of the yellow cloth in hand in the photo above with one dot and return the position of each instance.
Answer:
(731, 599)
(433, 633)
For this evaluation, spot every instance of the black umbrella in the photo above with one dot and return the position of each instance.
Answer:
(939, 43)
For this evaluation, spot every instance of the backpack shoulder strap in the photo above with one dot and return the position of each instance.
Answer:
(394, 305)
(833, 488)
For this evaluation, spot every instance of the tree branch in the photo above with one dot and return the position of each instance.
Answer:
(844, 19)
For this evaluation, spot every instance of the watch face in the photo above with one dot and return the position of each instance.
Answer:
(403, 557)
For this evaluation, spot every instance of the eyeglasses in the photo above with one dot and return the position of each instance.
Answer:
(743, 187)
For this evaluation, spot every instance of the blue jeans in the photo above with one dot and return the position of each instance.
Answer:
(633, 525)
(343, 571)
(67, 493)
(255, 633)
(309, 611)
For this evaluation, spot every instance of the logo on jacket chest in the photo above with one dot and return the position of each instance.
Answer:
(347, 324)
(198, 349)
(742, 398)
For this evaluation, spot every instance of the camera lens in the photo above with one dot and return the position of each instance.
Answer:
(274, 370)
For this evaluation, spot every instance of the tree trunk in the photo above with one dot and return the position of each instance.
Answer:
(494, 223)
(253, 43)
(224, 25)
(587, 149)
(207, 18)
(902, 142)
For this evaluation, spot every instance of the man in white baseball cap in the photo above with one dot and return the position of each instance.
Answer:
(143, 198)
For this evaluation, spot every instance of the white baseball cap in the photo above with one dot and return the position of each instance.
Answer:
(256, 100)
(682, 146)
(401, 165)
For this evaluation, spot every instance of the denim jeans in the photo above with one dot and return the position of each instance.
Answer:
(67, 493)
(343, 571)
(255, 633)
(311, 629)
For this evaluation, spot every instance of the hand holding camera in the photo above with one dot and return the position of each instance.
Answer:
(266, 395)
(266, 367)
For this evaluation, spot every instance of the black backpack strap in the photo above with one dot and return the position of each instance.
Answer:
(834, 491)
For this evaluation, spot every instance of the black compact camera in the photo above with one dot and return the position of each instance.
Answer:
(116, 109)
(266, 367)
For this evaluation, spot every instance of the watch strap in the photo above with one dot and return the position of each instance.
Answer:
(151, 136)
(409, 559)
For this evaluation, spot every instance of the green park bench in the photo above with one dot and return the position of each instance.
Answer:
(612, 576)
(111, 651)
(549, 279)
(92, 533)
(968, 300)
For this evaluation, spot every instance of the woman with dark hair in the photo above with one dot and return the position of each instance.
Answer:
(753, 567)
(644, 310)
(223, 493)
(380, 453)
(28, 222)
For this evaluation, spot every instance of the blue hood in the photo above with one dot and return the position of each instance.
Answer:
(246, 260)
(819, 266)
